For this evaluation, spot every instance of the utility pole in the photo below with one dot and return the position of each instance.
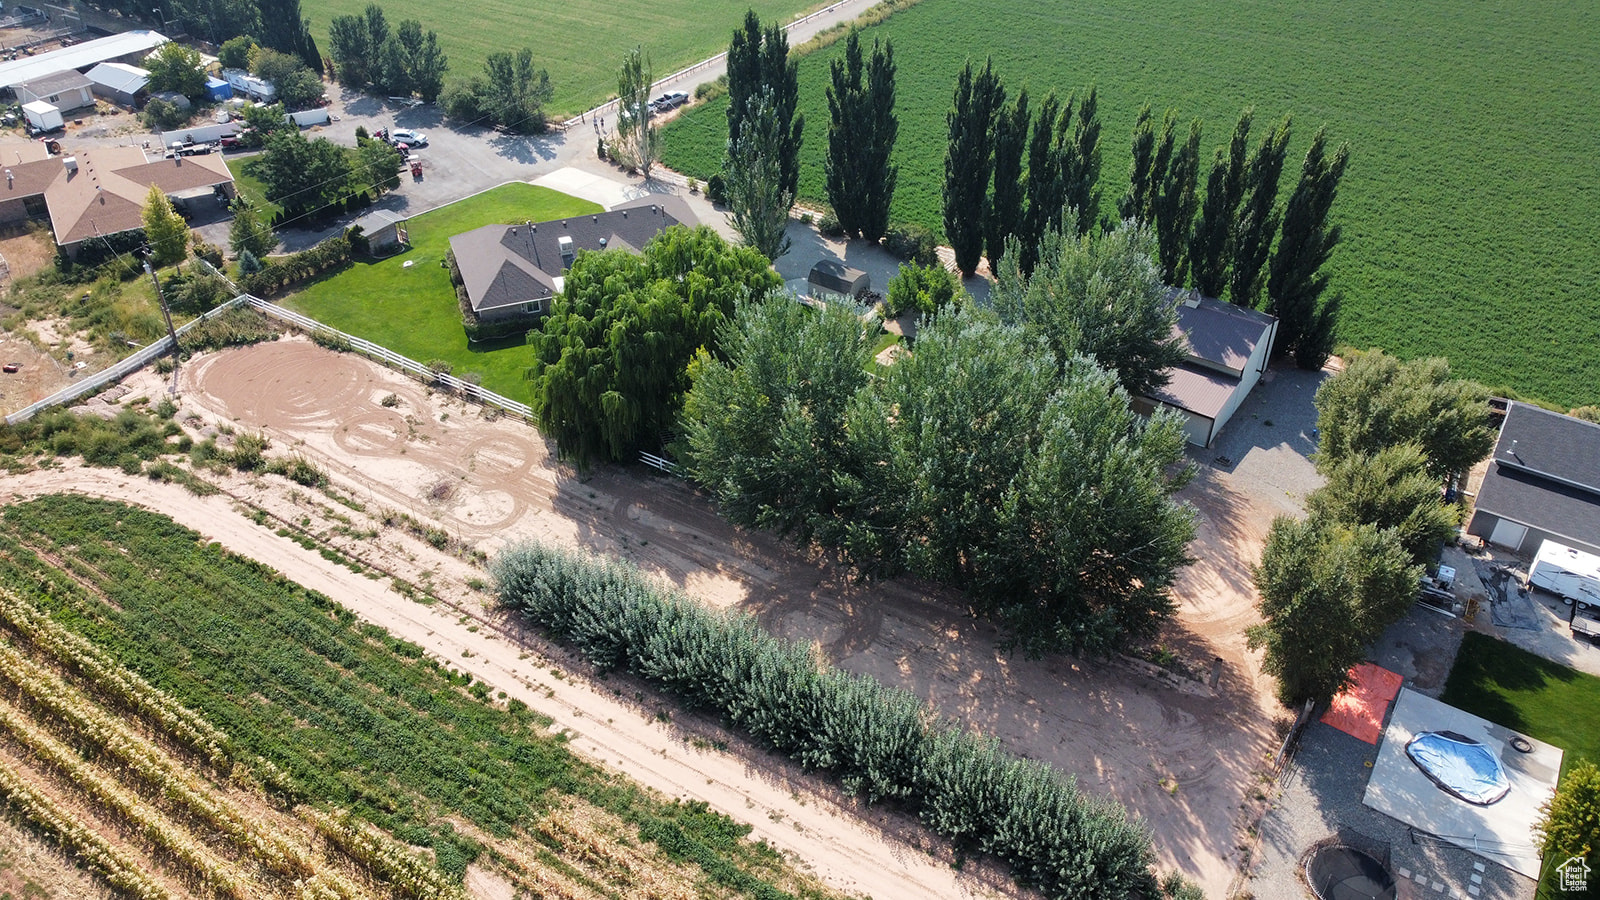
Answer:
(165, 314)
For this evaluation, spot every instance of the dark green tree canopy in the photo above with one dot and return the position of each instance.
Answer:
(1295, 281)
(303, 176)
(1327, 591)
(1212, 246)
(1390, 489)
(1257, 221)
(1100, 296)
(757, 203)
(1379, 402)
(969, 160)
(862, 129)
(176, 67)
(760, 70)
(1008, 196)
(764, 427)
(611, 361)
(978, 461)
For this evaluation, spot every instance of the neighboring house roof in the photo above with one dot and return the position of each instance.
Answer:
(107, 192)
(508, 265)
(1217, 333)
(55, 83)
(120, 77)
(79, 56)
(1545, 473)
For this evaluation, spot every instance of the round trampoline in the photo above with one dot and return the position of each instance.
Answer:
(1338, 872)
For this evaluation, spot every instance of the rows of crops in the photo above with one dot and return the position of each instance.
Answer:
(80, 733)
(236, 673)
(1470, 219)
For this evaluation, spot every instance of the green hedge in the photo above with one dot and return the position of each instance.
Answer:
(880, 742)
(297, 267)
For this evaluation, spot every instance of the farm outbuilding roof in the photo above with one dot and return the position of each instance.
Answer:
(55, 83)
(79, 56)
(1545, 472)
(120, 77)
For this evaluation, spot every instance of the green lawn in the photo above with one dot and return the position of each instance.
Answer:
(1470, 215)
(1527, 693)
(580, 42)
(413, 311)
(251, 187)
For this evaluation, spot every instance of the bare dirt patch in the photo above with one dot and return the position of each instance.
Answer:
(36, 870)
(39, 374)
(1183, 761)
(27, 251)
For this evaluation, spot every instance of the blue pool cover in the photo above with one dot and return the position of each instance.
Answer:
(1460, 765)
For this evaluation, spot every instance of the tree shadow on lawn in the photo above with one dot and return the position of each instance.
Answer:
(1487, 669)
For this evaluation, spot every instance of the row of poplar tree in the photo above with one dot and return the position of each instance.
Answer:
(1012, 170)
(1234, 243)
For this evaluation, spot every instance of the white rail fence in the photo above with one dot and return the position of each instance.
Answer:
(93, 383)
(380, 353)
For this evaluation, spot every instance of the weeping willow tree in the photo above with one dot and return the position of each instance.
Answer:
(610, 369)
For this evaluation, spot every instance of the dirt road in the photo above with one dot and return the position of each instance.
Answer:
(1182, 760)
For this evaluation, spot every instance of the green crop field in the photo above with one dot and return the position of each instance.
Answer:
(580, 42)
(1470, 213)
(351, 716)
(413, 311)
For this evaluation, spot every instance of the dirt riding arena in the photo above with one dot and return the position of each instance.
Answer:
(1185, 760)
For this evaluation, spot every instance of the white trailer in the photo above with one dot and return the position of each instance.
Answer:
(43, 116)
(310, 117)
(1568, 573)
(204, 134)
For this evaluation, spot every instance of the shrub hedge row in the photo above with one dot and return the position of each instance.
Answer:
(297, 267)
(880, 742)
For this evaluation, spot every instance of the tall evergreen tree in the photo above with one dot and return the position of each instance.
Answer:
(968, 162)
(1258, 216)
(1209, 251)
(758, 61)
(758, 205)
(1097, 295)
(861, 134)
(1175, 205)
(1295, 282)
(1005, 202)
(1137, 200)
(285, 29)
(1043, 182)
(1081, 168)
(1152, 157)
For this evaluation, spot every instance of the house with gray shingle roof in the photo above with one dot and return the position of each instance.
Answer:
(508, 273)
(1543, 483)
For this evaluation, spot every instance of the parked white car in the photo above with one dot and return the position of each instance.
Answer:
(408, 137)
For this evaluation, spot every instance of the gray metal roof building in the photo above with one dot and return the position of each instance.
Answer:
(128, 45)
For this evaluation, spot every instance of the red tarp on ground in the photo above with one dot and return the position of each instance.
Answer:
(1359, 711)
